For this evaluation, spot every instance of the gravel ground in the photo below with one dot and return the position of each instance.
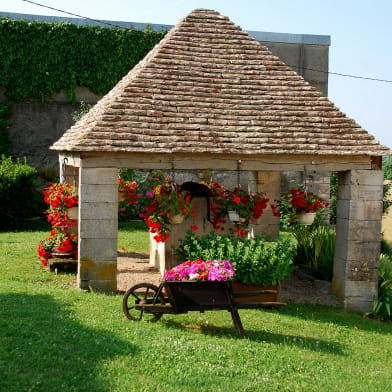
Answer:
(134, 268)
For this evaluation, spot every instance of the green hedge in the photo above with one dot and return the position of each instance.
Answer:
(19, 198)
(40, 58)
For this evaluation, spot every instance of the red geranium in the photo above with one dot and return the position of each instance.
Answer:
(59, 197)
(168, 200)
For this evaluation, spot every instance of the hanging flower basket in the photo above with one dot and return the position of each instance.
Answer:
(169, 204)
(301, 205)
(241, 206)
(306, 218)
(176, 219)
(73, 213)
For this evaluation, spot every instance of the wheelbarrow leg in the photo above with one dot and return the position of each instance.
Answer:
(237, 321)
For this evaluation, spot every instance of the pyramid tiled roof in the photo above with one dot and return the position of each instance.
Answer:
(209, 87)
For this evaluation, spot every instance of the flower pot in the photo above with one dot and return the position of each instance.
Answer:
(233, 216)
(121, 196)
(306, 218)
(176, 219)
(251, 293)
(61, 255)
(73, 213)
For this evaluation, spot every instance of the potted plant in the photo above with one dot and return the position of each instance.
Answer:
(258, 264)
(240, 206)
(169, 205)
(302, 206)
(62, 241)
(244, 208)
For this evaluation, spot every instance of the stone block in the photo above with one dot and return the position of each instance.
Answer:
(361, 177)
(92, 210)
(356, 295)
(95, 228)
(360, 192)
(364, 270)
(359, 209)
(93, 270)
(99, 249)
(361, 289)
(357, 250)
(98, 193)
(356, 230)
(101, 176)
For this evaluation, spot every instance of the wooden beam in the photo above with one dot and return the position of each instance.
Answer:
(226, 162)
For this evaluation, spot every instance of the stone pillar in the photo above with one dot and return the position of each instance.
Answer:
(162, 254)
(269, 183)
(98, 224)
(359, 213)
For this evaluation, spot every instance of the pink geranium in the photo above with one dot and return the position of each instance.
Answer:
(212, 270)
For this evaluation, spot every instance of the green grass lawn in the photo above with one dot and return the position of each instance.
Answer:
(54, 337)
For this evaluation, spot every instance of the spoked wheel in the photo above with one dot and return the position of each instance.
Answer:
(142, 293)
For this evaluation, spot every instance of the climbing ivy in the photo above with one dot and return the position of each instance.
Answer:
(5, 142)
(40, 58)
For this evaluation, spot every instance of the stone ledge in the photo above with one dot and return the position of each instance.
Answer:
(62, 265)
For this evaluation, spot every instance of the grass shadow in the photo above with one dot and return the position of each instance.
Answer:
(44, 348)
(338, 316)
(261, 336)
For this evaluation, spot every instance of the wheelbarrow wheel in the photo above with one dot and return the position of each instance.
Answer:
(142, 293)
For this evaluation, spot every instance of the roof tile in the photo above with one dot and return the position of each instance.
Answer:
(209, 87)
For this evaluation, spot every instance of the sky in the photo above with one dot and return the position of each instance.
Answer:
(360, 31)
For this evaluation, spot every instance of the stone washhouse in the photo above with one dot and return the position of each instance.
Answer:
(209, 96)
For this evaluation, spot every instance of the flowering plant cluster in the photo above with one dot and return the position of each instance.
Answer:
(128, 189)
(304, 201)
(212, 270)
(248, 205)
(167, 201)
(298, 201)
(61, 239)
(60, 197)
(218, 192)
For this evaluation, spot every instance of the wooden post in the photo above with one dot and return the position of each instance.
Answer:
(359, 213)
(98, 223)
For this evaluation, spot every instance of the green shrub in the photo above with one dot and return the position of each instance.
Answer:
(382, 307)
(316, 248)
(255, 260)
(19, 198)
